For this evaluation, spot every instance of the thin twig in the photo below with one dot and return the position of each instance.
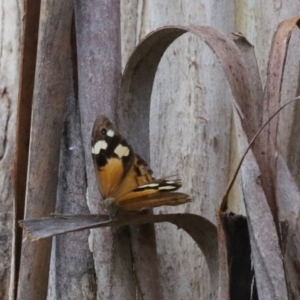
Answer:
(223, 205)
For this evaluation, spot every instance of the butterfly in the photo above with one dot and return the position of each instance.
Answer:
(125, 180)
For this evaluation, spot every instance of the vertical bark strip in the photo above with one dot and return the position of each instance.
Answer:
(265, 248)
(50, 92)
(272, 96)
(72, 261)
(145, 261)
(27, 72)
(289, 210)
(99, 74)
(255, 85)
(99, 71)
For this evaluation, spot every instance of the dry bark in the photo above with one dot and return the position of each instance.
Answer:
(190, 121)
(26, 84)
(50, 92)
(10, 40)
(72, 266)
(201, 230)
(99, 74)
(123, 259)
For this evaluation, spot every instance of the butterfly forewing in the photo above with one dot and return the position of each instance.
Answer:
(113, 157)
(124, 176)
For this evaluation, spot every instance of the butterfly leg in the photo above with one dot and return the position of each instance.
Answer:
(109, 205)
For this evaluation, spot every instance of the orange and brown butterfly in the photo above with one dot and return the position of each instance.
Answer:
(125, 181)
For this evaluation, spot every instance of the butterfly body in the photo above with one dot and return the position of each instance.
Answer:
(125, 180)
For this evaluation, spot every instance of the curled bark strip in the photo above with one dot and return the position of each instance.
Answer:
(224, 198)
(265, 249)
(288, 194)
(256, 89)
(276, 65)
(264, 215)
(201, 230)
(134, 99)
(266, 253)
(135, 93)
(272, 95)
(265, 153)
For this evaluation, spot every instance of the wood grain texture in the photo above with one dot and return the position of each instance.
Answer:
(289, 207)
(50, 93)
(273, 98)
(139, 74)
(183, 105)
(265, 245)
(71, 259)
(99, 74)
(266, 155)
(28, 51)
(189, 132)
(10, 42)
(260, 31)
(200, 229)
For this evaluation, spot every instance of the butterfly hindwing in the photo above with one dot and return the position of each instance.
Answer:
(152, 200)
(125, 180)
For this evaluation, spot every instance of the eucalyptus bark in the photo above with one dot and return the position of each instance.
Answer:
(191, 134)
(10, 43)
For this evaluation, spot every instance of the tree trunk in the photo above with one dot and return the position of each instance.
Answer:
(193, 133)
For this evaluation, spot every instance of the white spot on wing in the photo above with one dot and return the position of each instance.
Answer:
(170, 182)
(122, 151)
(167, 187)
(98, 146)
(150, 185)
(110, 133)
